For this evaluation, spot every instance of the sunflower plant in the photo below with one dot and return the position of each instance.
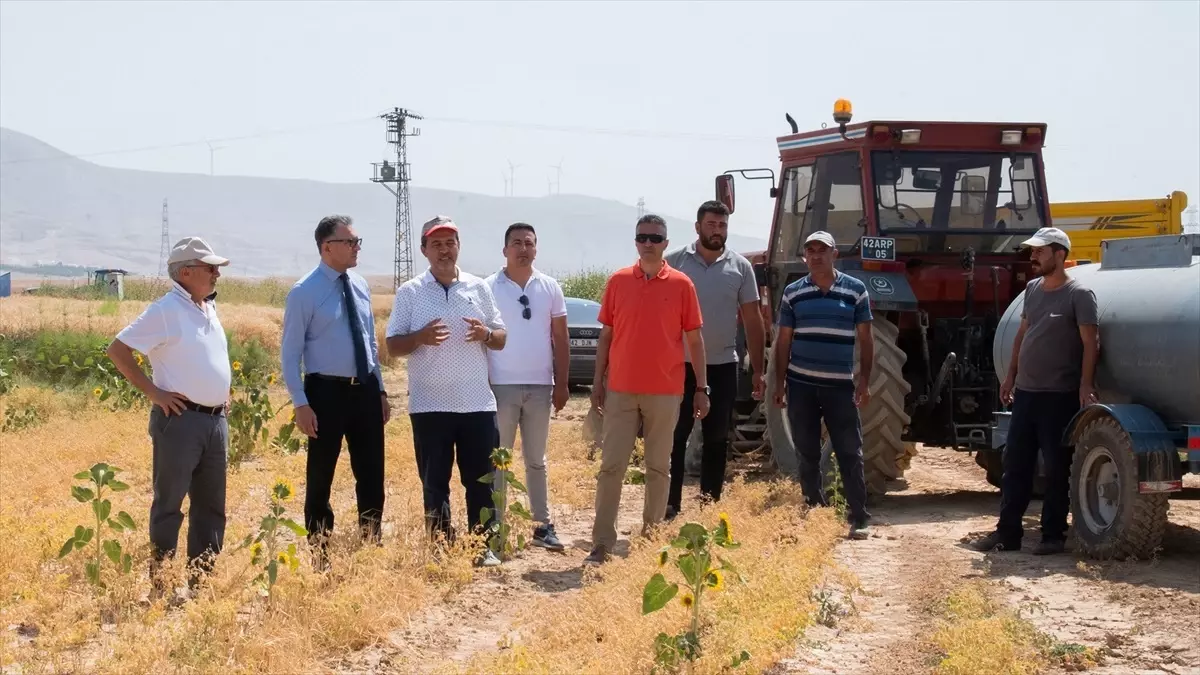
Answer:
(500, 532)
(702, 570)
(267, 549)
(249, 411)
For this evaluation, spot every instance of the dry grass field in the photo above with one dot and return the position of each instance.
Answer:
(911, 599)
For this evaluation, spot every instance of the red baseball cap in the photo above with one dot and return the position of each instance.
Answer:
(438, 223)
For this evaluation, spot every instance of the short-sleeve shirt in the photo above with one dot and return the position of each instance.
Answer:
(722, 287)
(528, 356)
(1051, 357)
(452, 376)
(186, 345)
(823, 328)
(648, 317)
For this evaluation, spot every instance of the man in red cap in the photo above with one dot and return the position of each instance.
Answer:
(444, 321)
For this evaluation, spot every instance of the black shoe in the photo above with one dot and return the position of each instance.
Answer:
(995, 542)
(672, 512)
(544, 536)
(1050, 547)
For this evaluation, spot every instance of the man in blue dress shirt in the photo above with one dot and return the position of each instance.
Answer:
(328, 327)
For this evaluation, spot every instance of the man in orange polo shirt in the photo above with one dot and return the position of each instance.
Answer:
(647, 311)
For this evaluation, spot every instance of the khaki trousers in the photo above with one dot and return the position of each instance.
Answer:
(623, 412)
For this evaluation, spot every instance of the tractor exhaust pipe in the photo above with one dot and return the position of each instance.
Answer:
(795, 129)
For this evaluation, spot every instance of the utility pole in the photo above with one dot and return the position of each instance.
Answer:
(399, 173)
(164, 248)
(641, 207)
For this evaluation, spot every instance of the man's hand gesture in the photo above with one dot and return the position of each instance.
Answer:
(170, 402)
(433, 334)
(477, 332)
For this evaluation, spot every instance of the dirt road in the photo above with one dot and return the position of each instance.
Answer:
(1146, 614)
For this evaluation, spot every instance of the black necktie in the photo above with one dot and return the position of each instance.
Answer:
(356, 333)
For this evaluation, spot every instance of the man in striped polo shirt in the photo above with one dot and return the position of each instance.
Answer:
(820, 316)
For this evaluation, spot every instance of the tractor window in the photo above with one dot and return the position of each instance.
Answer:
(928, 193)
(824, 196)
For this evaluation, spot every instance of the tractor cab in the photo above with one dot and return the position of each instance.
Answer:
(930, 217)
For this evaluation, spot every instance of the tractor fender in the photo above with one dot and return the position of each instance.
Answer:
(1152, 443)
(889, 291)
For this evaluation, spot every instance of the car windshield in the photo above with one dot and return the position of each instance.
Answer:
(944, 201)
(583, 313)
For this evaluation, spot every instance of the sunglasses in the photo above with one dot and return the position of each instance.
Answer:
(525, 313)
(652, 238)
(211, 269)
(357, 241)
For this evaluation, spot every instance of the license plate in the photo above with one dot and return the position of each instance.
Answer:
(878, 248)
(583, 342)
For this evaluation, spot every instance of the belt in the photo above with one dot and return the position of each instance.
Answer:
(206, 409)
(338, 378)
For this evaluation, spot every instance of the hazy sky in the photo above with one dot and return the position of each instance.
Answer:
(704, 85)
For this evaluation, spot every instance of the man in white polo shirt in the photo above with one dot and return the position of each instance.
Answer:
(530, 374)
(183, 338)
(445, 321)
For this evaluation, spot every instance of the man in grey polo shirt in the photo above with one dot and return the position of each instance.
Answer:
(189, 357)
(725, 284)
(1050, 377)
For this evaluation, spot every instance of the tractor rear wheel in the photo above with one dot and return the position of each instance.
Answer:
(885, 454)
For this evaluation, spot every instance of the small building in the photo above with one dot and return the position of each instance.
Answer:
(112, 281)
(5, 284)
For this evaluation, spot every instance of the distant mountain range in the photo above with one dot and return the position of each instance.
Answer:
(55, 208)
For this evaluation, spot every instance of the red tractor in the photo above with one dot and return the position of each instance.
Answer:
(930, 216)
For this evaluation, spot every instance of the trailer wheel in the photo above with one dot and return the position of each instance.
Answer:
(1111, 518)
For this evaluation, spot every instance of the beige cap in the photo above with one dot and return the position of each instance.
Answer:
(821, 236)
(195, 248)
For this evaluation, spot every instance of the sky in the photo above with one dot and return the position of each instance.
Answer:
(631, 100)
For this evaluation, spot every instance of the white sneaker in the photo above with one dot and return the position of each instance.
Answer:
(488, 559)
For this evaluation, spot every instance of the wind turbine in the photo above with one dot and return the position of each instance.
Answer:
(512, 178)
(558, 176)
(211, 151)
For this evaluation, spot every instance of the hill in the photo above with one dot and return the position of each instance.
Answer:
(59, 208)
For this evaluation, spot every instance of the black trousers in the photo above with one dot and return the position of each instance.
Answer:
(353, 412)
(1038, 421)
(440, 437)
(722, 382)
(807, 405)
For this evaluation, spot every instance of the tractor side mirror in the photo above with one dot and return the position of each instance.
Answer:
(725, 190)
(927, 179)
(973, 192)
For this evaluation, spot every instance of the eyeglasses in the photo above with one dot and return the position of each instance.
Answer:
(652, 238)
(357, 241)
(212, 269)
(525, 313)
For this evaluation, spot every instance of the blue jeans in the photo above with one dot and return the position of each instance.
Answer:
(807, 405)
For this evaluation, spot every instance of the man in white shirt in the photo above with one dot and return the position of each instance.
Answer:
(183, 338)
(445, 321)
(530, 374)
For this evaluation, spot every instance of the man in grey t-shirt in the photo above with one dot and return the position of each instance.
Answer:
(725, 284)
(1049, 379)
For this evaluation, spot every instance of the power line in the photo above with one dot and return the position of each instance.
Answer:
(185, 144)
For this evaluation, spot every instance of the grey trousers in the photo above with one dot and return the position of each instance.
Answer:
(190, 453)
(527, 406)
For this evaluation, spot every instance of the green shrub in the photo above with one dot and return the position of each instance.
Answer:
(588, 284)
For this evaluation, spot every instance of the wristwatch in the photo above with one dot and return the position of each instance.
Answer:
(705, 389)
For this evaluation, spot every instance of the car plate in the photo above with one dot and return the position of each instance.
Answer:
(878, 248)
(583, 342)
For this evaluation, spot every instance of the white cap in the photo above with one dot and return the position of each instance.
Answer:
(823, 237)
(1047, 236)
(195, 248)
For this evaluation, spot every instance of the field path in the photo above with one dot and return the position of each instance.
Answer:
(1147, 614)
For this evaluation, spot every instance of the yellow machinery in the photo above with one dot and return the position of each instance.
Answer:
(1089, 223)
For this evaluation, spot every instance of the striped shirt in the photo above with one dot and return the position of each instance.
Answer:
(823, 327)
